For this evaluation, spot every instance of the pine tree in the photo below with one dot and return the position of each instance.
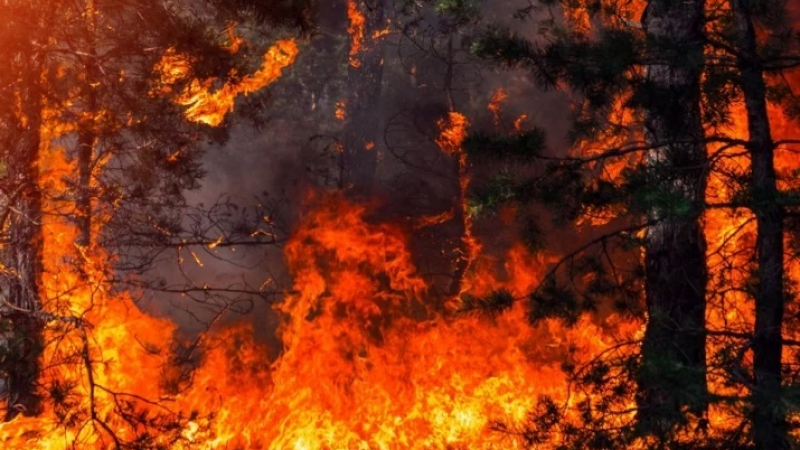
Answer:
(673, 373)
(768, 415)
(742, 53)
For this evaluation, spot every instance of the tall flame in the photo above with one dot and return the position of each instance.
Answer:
(368, 360)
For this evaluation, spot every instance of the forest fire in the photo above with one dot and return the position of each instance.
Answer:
(357, 32)
(459, 281)
(366, 361)
(208, 104)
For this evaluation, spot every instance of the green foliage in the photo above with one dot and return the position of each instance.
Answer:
(523, 147)
(460, 11)
(560, 187)
(552, 300)
(491, 305)
(510, 50)
(489, 197)
(291, 13)
(602, 69)
(531, 234)
(597, 68)
(719, 90)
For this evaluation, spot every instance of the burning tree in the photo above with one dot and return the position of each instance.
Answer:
(424, 322)
(91, 152)
(658, 106)
(21, 123)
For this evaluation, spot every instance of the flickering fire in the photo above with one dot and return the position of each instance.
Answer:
(519, 122)
(377, 34)
(368, 359)
(453, 132)
(356, 30)
(209, 105)
(499, 97)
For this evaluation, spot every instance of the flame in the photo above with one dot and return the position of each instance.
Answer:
(519, 122)
(357, 31)
(234, 41)
(368, 360)
(499, 97)
(210, 106)
(453, 132)
(377, 34)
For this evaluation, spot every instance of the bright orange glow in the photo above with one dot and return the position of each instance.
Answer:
(499, 97)
(341, 110)
(368, 361)
(436, 219)
(356, 30)
(371, 356)
(452, 133)
(377, 34)
(207, 105)
(519, 123)
(361, 367)
(610, 169)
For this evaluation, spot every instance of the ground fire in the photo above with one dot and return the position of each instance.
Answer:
(425, 265)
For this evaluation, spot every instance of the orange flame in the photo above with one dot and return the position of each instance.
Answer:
(356, 30)
(499, 97)
(206, 105)
(368, 361)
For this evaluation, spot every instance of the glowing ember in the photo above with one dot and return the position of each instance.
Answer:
(341, 111)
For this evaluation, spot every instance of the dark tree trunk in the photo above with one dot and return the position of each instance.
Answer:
(768, 417)
(465, 244)
(23, 253)
(364, 83)
(87, 133)
(673, 373)
(464, 247)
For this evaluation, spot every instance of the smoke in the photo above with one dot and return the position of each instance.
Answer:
(272, 166)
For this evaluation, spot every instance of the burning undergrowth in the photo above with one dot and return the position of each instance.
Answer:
(368, 361)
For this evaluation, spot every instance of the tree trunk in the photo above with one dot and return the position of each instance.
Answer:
(768, 417)
(465, 246)
(364, 82)
(673, 373)
(87, 133)
(24, 251)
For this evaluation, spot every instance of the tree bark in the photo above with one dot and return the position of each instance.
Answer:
(770, 431)
(364, 83)
(673, 372)
(23, 253)
(87, 133)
